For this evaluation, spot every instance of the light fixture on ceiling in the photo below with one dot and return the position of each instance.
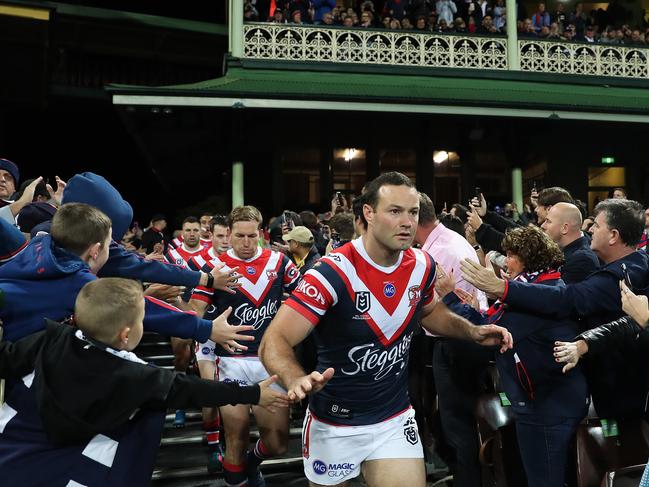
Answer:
(349, 154)
(440, 156)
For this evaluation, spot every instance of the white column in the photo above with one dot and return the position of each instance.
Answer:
(513, 61)
(235, 28)
(237, 183)
(517, 187)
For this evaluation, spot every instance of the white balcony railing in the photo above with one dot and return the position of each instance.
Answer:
(583, 59)
(320, 44)
(397, 48)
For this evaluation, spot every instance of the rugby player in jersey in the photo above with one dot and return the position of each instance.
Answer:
(220, 232)
(206, 234)
(363, 303)
(265, 276)
(189, 246)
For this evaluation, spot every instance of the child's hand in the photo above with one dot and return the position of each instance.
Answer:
(270, 399)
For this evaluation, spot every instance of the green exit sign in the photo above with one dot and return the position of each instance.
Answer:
(608, 160)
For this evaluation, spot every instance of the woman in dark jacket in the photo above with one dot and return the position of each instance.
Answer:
(547, 404)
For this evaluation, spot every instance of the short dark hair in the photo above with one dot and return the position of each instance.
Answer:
(534, 248)
(190, 219)
(552, 196)
(357, 209)
(427, 213)
(453, 223)
(309, 219)
(77, 226)
(343, 225)
(220, 220)
(625, 216)
(392, 178)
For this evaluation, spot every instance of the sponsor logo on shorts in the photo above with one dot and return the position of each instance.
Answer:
(371, 358)
(410, 431)
(319, 467)
(241, 382)
(389, 290)
(333, 469)
(272, 275)
(206, 350)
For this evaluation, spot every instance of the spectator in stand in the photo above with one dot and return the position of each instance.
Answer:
(432, 25)
(250, 13)
(296, 17)
(560, 17)
(579, 19)
(554, 33)
(348, 21)
(12, 242)
(499, 15)
(301, 248)
(406, 24)
(487, 26)
(618, 194)
(327, 19)
(420, 24)
(302, 6)
(396, 8)
(366, 20)
(569, 33)
(42, 208)
(310, 220)
(322, 7)
(528, 29)
(589, 35)
(541, 18)
(395, 24)
(446, 10)
(459, 26)
(9, 178)
(278, 17)
(563, 225)
(154, 234)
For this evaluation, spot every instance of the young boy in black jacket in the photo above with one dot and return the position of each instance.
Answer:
(88, 411)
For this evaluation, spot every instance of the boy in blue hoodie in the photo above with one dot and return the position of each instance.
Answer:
(88, 411)
(44, 279)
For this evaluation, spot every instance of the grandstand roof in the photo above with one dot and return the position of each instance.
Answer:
(427, 91)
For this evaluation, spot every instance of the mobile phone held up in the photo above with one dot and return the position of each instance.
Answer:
(339, 198)
(478, 200)
(627, 278)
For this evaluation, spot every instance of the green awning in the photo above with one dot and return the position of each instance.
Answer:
(317, 89)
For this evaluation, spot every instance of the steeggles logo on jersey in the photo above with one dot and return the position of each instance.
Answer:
(370, 358)
(389, 290)
(255, 317)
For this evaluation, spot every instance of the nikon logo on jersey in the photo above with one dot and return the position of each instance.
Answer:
(362, 301)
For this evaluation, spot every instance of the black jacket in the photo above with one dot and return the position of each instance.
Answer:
(581, 261)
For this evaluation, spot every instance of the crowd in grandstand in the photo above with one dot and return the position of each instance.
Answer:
(610, 26)
(555, 297)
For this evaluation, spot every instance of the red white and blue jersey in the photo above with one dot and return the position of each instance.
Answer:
(364, 317)
(181, 256)
(265, 277)
(178, 241)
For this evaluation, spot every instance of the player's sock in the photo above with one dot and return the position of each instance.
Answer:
(257, 455)
(234, 475)
(212, 433)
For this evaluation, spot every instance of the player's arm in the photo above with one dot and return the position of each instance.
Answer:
(198, 305)
(287, 329)
(442, 321)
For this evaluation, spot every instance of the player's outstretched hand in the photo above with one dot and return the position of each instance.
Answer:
(309, 384)
(229, 336)
(271, 399)
(490, 335)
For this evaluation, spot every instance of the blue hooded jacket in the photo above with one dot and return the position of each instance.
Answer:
(12, 241)
(43, 282)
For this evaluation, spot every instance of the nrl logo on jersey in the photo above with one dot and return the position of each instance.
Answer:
(362, 301)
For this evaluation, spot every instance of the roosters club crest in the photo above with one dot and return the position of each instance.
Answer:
(362, 301)
(414, 295)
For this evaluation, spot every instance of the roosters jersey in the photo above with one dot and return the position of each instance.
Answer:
(264, 279)
(364, 317)
(178, 241)
(181, 256)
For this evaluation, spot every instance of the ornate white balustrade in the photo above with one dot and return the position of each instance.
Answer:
(584, 59)
(398, 48)
(321, 44)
